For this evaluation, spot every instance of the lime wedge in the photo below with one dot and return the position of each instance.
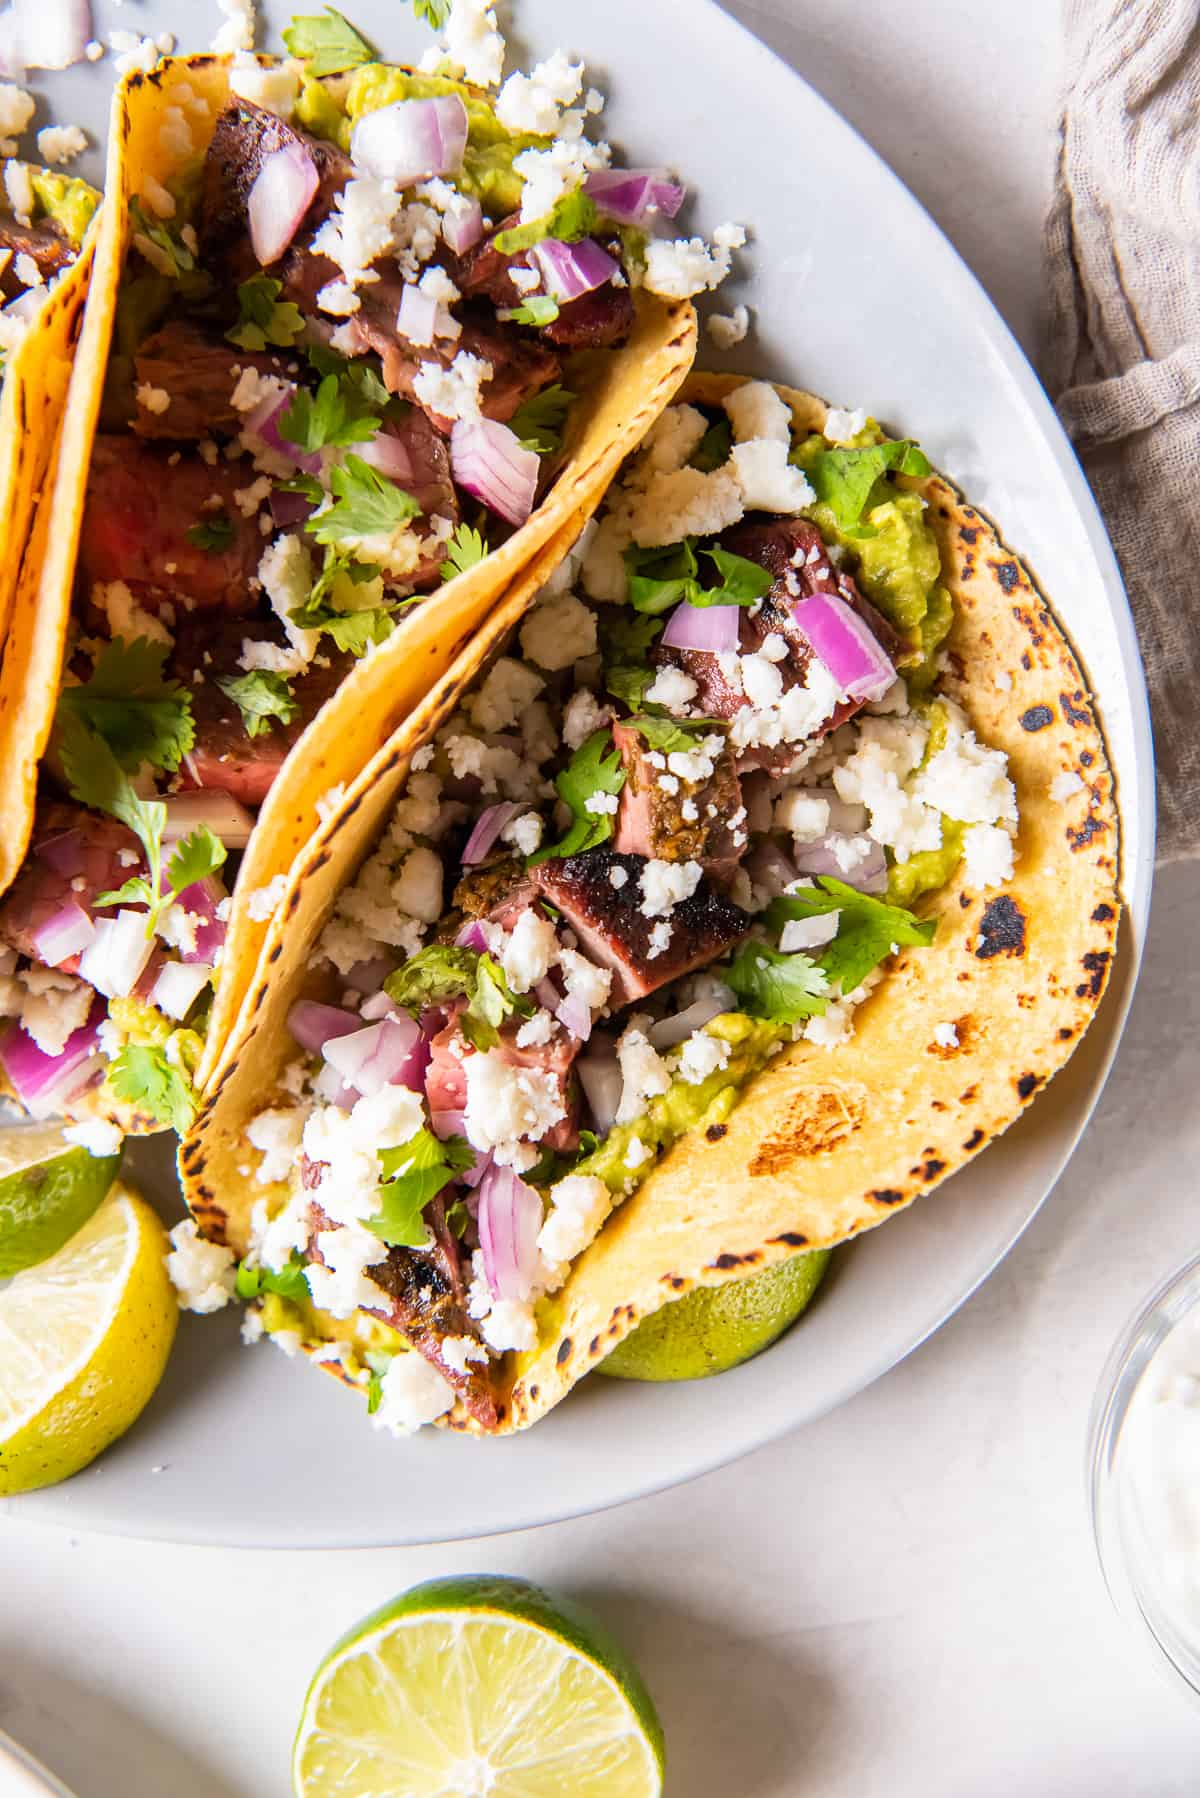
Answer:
(48, 1189)
(480, 1687)
(714, 1328)
(84, 1338)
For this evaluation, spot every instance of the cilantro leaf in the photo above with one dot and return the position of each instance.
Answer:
(353, 632)
(590, 771)
(265, 319)
(629, 684)
(288, 1281)
(259, 696)
(364, 504)
(434, 12)
(194, 858)
(868, 928)
(414, 1174)
(140, 715)
(465, 548)
(569, 219)
(843, 479)
(335, 415)
(538, 309)
(377, 1365)
(627, 636)
(667, 734)
(539, 421)
(660, 578)
(95, 778)
(143, 1077)
(214, 533)
(443, 971)
(172, 256)
(329, 45)
(769, 984)
(714, 448)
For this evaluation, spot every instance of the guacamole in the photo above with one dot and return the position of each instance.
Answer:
(66, 201)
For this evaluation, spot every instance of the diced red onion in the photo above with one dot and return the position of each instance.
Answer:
(331, 1089)
(263, 423)
(411, 139)
(379, 1005)
(201, 901)
(281, 195)
(385, 452)
(45, 1083)
(838, 637)
(462, 227)
(119, 950)
(447, 1123)
(417, 315)
(569, 270)
(770, 869)
(487, 459)
(475, 1175)
(711, 628)
(369, 976)
(575, 1014)
(601, 1078)
(510, 1216)
(471, 937)
(376, 1057)
(65, 934)
(669, 1032)
(870, 876)
(150, 974)
(179, 985)
(491, 822)
(292, 508)
(51, 34)
(314, 1025)
(65, 852)
(413, 1070)
(635, 196)
(547, 994)
(225, 816)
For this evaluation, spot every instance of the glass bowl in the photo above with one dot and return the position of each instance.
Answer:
(1140, 1584)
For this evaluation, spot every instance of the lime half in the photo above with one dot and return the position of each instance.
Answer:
(714, 1328)
(480, 1687)
(84, 1338)
(48, 1190)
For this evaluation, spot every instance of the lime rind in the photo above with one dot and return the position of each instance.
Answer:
(48, 1190)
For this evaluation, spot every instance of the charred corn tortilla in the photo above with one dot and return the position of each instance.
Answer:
(822, 1144)
(618, 395)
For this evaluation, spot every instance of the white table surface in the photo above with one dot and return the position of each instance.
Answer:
(901, 1601)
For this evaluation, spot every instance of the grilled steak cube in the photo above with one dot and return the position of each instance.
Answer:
(594, 321)
(499, 891)
(223, 756)
(663, 815)
(199, 372)
(614, 932)
(44, 242)
(140, 506)
(245, 136)
(69, 845)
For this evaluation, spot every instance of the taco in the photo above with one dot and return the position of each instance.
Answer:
(338, 389)
(45, 222)
(713, 907)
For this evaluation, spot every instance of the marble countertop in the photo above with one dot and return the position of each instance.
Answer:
(900, 1601)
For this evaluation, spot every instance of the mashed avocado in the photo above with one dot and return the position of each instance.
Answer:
(683, 1107)
(487, 172)
(66, 201)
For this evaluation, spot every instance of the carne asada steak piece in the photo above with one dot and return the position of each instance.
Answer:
(198, 371)
(499, 891)
(594, 321)
(224, 756)
(245, 136)
(43, 241)
(615, 933)
(69, 846)
(141, 502)
(666, 816)
(428, 478)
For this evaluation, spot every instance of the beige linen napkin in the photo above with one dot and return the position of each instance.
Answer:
(1121, 356)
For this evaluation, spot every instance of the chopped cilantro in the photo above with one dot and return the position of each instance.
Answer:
(354, 632)
(413, 1174)
(465, 548)
(659, 578)
(589, 771)
(194, 858)
(338, 414)
(539, 422)
(714, 448)
(288, 1281)
(265, 319)
(214, 533)
(458, 1216)
(260, 697)
(868, 928)
(173, 258)
(572, 217)
(627, 636)
(377, 1366)
(667, 734)
(843, 479)
(434, 12)
(445, 971)
(539, 309)
(128, 702)
(329, 45)
(142, 1076)
(365, 503)
(769, 984)
(629, 684)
